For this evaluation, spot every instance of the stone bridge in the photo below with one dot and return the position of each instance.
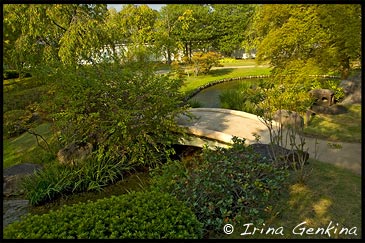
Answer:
(216, 127)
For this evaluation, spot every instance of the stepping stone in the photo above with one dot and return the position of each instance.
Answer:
(13, 210)
(12, 177)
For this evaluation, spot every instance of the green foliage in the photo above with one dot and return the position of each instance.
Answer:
(36, 35)
(203, 62)
(332, 84)
(226, 185)
(194, 103)
(230, 22)
(15, 122)
(327, 35)
(245, 97)
(125, 111)
(138, 215)
(56, 180)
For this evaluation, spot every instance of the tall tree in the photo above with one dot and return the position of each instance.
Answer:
(230, 22)
(328, 36)
(52, 33)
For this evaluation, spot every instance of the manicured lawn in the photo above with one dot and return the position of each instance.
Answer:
(226, 62)
(342, 127)
(330, 194)
(192, 82)
(24, 149)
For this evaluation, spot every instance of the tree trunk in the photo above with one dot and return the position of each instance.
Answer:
(168, 56)
(190, 51)
(345, 72)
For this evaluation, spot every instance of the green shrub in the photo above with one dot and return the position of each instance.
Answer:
(15, 121)
(203, 62)
(150, 215)
(56, 180)
(228, 185)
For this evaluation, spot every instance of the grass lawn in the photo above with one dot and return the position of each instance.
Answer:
(24, 149)
(228, 62)
(192, 82)
(330, 194)
(343, 127)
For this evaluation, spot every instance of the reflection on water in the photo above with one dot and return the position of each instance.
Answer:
(209, 97)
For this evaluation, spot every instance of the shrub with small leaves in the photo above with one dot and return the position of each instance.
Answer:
(228, 185)
(138, 215)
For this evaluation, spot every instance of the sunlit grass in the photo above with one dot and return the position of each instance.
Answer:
(24, 149)
(342, 127)
(329, 194)
(192, 82)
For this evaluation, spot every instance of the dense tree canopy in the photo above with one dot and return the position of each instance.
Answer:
(50, 33)
(323, 35)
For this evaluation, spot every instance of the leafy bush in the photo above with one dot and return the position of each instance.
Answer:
(127, 112)
(15, 121)
(226, 185)
(150, 215)
(56, 179)
(203, 62)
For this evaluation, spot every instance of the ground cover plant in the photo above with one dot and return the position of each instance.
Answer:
(226, 185)
(137, 215)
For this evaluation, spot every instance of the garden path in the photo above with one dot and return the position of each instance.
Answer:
(222, 124)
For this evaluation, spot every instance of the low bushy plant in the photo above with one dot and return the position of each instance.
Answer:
(149, 215)
(56, 180)
(227, 185)
(203, 62)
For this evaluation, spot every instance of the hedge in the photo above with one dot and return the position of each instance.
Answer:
(150, 215)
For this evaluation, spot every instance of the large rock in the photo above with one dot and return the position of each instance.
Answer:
(331, 110)
(13, 210)
(354, 98)
(74, 153)
(348, 86)
(323, 97)
(280, 155)
(13, 176)
(289, 118)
